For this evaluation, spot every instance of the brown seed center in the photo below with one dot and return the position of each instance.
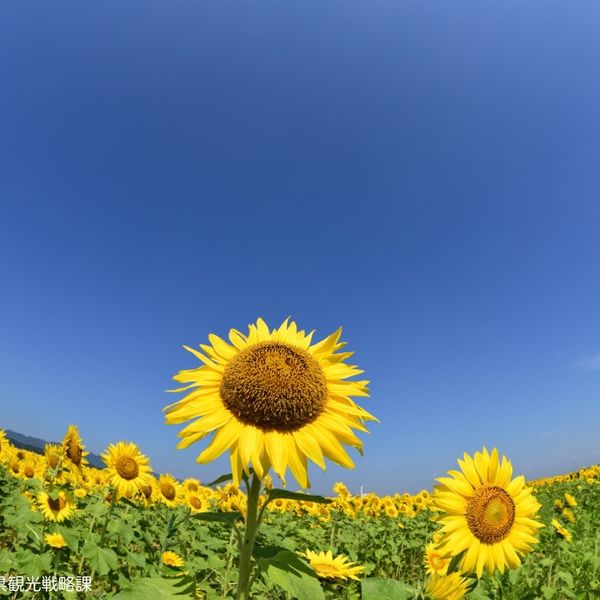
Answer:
(126, 467)
(490, 514)
(274, 386)
(195, 502)
(56, 505)
(168, 491)
(74, 452)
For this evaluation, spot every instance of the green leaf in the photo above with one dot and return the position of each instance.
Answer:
(287, 570)
(33, 565)
(453, 566)
(229, 518)
(8, 561)
(385, 589)
(227, 477)
(221, 479)
(159, 588)
(277, 493)
(548, 591)
(566, 577)
(102, 560)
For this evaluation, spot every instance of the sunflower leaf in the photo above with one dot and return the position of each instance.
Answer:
(385, 589)
(276, 494)
(288, 571)
(158, 588)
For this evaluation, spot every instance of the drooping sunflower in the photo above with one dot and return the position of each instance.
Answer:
(128, 469)
(57, 509)
(486, 514)
(272, 398)
(55, 540)
(447, 587)
(73, 447)
(562, 531)
(327, 567)
(436, 562)
(169, 490)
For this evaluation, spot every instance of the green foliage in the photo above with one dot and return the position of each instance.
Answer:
(120, 547)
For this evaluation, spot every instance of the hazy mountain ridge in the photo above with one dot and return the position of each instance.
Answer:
(34, 444)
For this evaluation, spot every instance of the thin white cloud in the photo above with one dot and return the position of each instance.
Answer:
(590, 363)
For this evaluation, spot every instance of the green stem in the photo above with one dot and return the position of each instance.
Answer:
(247, 543)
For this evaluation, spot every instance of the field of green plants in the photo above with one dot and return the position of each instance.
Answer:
(119, 545)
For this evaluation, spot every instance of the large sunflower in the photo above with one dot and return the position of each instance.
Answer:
(128, 469)
(486, 514)
(272, 398)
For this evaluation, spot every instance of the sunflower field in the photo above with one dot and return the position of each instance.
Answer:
(276, 401)
(64, 533)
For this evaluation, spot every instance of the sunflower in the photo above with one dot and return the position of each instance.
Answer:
(127, 468)
(73, 447)
(29, 468)
(171, 559)
(169, 490)
(570, 500)
(5, 446)
(447, 587)
(196, 502)
(53, 455)
(272, 398)
(327, 567)
(191, 485)
(486, 514)
(562, 531)
(55, 540)
(57, 509)
(436, 562)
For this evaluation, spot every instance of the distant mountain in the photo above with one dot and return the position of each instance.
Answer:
(33, 444)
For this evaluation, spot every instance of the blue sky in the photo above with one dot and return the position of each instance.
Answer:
(424, 174)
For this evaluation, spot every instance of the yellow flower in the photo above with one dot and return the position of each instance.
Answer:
(57, 509)
(570, 500)
(73, 447)
(30, 468)
(272, 398)
(55, 540)
(171, 559)
(436, 562)
(128, 469)
(562, 531)
(169, 491)
(5, 447)
(53, 455)
(447, 587)
(191, 485)
(324, 565)
(486, 514)
(196, 502)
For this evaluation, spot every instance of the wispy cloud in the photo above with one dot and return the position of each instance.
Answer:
(590, 363)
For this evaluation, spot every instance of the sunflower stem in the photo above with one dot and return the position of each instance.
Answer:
(247, 543)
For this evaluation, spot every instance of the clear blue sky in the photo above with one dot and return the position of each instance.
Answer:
(425, 174)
